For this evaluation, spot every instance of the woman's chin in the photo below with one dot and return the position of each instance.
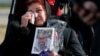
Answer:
(39, 23)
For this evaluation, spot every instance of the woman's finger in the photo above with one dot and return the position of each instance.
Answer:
(55, 35)
(52, 53)
(25, 19)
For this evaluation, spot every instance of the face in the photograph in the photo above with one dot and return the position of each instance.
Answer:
(42, 39)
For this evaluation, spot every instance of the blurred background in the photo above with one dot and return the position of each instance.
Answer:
(4, 12)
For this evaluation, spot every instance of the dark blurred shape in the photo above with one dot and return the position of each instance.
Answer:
(96, 42)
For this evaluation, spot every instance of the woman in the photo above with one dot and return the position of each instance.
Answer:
(21, 40)
(84, 16)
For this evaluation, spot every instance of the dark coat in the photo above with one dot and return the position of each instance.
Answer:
(20, 39)
(96, 40)
(84, 32)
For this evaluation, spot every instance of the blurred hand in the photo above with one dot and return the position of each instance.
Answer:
(25, 19)
(55, 35)
(52, 53)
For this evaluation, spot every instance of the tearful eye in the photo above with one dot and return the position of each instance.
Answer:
(38, 10)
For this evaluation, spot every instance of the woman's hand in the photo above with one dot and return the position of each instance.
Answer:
(25, 19)
(55, 35)
(52, 53)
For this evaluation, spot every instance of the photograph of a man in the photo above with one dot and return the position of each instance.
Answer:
(42, 41)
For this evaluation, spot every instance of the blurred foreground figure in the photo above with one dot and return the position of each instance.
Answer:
(84, 16)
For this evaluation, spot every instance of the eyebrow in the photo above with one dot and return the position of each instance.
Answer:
(36, 9)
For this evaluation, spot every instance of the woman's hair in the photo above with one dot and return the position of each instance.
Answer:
(30, 2)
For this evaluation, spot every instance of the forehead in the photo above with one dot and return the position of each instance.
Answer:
(35, 5)
(90, 5)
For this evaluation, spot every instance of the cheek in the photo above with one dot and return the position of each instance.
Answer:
(42, 18)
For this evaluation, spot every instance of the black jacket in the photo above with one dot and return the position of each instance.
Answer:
(96, 40)
(85, 33)
(19, 40)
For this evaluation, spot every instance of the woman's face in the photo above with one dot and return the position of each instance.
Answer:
(39, 13)
(87, 13)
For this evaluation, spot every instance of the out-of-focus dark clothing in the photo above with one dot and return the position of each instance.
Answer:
(85, 33)
(96, 40)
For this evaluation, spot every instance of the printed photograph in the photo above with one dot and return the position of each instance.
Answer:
(43, 40)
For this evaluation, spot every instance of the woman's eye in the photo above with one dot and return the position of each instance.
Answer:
(38, 10)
